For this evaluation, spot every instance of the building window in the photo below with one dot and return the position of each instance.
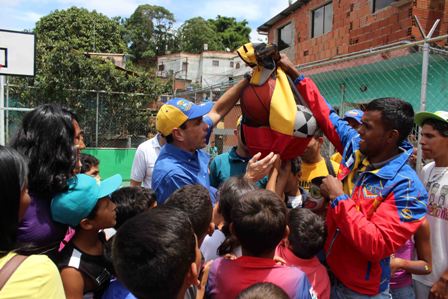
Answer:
(231, 64)
(284, 36)
(215, 62)
(161, 67)
(322, 20)
(380, 4)
(184, 66)
(237, 65)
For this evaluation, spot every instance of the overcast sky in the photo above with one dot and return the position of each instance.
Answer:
(23, 14)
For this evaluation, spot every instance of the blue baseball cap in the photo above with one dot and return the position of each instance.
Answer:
(75, 204)
(356, 114)
(177, 111)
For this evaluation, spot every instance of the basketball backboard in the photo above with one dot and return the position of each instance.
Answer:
(17, 53)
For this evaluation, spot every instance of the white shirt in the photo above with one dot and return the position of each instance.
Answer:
(209, 247)
(144, 160)
(435, 180)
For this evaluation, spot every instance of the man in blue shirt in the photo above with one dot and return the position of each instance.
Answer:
(187, 128)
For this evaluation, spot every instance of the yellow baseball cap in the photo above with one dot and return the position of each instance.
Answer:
(177, 111)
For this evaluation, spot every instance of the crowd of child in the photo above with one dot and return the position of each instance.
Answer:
(66, 233)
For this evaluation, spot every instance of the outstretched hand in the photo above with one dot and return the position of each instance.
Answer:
(257, 169)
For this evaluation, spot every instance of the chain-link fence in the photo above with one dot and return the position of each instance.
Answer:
(108, 119)
(346, 82)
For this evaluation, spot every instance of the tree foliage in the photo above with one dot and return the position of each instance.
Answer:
(67, 75)
(196, 32)
(149, 31)
(231, 33)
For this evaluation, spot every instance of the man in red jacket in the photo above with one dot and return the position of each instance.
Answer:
(377, 201)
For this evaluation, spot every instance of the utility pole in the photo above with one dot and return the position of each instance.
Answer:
(186, 71)
(425, 60)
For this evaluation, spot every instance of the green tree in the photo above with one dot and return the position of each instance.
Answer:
(150, 31)
(67, 75)
(196, 32)
(232, 33)
(80, 29)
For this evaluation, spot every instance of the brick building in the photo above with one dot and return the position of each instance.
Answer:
(356, 51)
(312, 30)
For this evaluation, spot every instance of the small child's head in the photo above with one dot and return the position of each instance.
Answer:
(90, 166)
(156, 255)
(86, 204)
(259, 222)
(230, 193)
(131, 201)
(307, 233)
(194, 200)
(263, 290)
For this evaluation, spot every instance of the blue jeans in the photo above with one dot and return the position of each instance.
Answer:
(403, 293)
(339, 291)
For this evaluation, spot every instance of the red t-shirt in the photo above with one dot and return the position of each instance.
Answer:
(314, 270)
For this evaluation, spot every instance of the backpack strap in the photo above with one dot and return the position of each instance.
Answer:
(329, 166)
(9, 268)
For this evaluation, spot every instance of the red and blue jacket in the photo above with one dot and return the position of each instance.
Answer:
(381, 210)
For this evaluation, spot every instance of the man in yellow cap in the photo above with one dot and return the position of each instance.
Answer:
(187, 127)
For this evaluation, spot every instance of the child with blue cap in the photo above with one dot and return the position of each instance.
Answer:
(85, 206)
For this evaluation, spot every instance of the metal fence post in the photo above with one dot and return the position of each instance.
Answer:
(425, 60)
(7, 111)
(2, 110)
(97, 117)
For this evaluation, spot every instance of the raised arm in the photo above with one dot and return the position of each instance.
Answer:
(227, 101)
(335, 129)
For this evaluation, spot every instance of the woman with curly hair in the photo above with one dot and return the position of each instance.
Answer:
(49, 138)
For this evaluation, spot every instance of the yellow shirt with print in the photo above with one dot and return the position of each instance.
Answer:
(311, 171)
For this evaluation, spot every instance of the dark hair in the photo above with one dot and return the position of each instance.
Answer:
(296, 165)
(307, 233)
(259, 221)
(194, 200)
(396, 114)
(263, 290)
(13, 173)
(153, 251)
(87, 161)
(46, 139)
(230, 193)
(131, 201)
(440, 126)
